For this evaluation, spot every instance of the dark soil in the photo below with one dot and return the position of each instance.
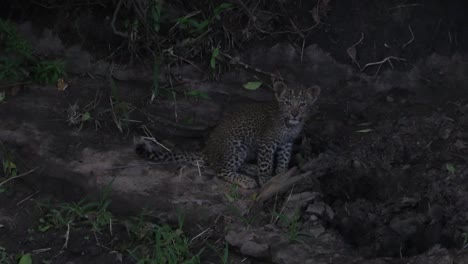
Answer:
(398, 185)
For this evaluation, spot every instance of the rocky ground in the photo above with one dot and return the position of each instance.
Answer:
(381, 166)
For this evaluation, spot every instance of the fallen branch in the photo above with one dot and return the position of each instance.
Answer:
(280, 184)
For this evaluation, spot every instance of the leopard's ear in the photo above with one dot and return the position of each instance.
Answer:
(313, 93)
(280, 88)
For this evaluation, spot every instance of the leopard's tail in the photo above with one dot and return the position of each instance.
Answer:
(151, 150)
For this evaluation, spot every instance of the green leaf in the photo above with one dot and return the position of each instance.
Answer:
(367, 130)
(252, 85)
(26, 259)
(214, 55)
(200, 94)
(85, 117)
(450, 167)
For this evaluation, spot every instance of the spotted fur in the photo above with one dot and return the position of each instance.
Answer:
(266, 131)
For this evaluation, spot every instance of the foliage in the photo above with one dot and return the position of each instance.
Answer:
(26, 259)
(252, 85)
(9, 168)
(292, 223)
(19, 64)
(4, 257)
(81, 214)
(48, 72)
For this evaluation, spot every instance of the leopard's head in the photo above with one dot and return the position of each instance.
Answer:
(295, 102)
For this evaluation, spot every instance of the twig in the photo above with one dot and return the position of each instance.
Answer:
(284, 206)
(110, 226)
(352, 51)
(114, 116)
(237, 61)
(199, 171)
(171, 52)
(39, 251)
(412, 37)
(150, 137)
(201, 234)
(401, 6)
(147, 164)
(67, 236)
(27, 198)
(18, 176)
(388, 59)
(114, 17)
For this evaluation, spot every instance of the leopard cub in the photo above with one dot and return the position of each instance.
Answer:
(263, 130)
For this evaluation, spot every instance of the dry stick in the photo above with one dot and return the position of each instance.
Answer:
(401, 6)
(114, 116)
(110, 226)
(388, 59)
(18, 176)
(201, 234)
(67, 236)
(150, 137)
(412, 37)
(353, 57)
(114, 17)
(237, 61)
(284, 206)
(27, 198)
(39, 251)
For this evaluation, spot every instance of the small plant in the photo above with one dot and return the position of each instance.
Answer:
(214, 57)
(225, 258)
(120, 109)
(4, 257)
(12, 42)
(246, 219)
(81, 214)
(198, 94)
(19, 63)
(154, 243)
(450, 168)
(155, 14)
(233, 193)
(291, 223)
(25, 259)
(12, 70)
(75, 117)
(199, 28)
(48, 72)
(9, 170)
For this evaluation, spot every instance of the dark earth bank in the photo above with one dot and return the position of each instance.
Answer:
(384, 153)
